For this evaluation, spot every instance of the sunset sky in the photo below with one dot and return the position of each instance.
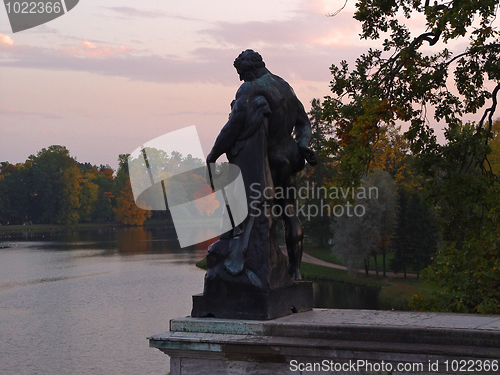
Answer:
(111, 75)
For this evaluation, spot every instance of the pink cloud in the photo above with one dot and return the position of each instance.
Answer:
(305, 27)
(299, 48)
(133, 12)
(6, 40)
(209, 65)
(89, 49)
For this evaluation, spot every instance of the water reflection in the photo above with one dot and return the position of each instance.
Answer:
(83, 302)
(338, 295)
(123, 241)
(134, 241)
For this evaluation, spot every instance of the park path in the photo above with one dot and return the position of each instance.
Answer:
(312, 260)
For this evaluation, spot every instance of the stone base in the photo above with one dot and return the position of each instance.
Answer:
(337, 342)
(245, 303)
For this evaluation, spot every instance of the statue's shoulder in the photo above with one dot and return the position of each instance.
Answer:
(245, 89)
(266, 85)
(274, 88)
(278, 79)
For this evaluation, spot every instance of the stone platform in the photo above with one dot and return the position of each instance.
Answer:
(324, 341)
(242, 303)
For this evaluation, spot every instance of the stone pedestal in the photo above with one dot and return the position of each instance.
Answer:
(325, 341)
(234, 302)
(262, 290)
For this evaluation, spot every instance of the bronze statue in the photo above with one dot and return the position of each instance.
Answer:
(267, 137)
(265, 95)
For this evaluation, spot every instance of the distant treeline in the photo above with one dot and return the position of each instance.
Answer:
(51, 187)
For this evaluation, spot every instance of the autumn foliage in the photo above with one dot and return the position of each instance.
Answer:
(126, 210)
(206, 203)
(51, 187)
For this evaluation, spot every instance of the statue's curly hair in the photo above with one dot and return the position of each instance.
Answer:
(248, 61)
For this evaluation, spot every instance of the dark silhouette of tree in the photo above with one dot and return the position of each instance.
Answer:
(103, 206)
(494, 157)
(403, 82)
(399, 82)
(15, 198)
(416, 235)
(54, 186)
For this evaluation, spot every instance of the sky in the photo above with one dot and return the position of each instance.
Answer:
(110, 75)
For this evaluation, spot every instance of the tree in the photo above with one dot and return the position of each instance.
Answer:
(400, 81)
(358, 235)
(469, 279)
(69, 198)
(126, 211)
(122, 175)
(416, 235)
(458, 185)
(89, 191)
(206, 204)
(103, 206)
(387, 198)
(391, 153)
(319, 176)
(15, 198)
(54, 185)
(355, 237)
(494, 157)
(468, 203)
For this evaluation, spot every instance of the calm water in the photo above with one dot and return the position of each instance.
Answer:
(84, 303)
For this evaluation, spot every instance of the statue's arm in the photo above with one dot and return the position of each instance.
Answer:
(303, 135)
(302, 127)
(230, 132)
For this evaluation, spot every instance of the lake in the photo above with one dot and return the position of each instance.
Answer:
(84, 302)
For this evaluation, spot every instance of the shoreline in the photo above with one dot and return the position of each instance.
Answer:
(13, 230)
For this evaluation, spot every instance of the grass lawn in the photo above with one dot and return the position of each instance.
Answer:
(325, 253)
(394, 291)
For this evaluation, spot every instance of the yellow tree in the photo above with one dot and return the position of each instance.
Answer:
(391, 153)
(206, 203)
(126, 210)
(69, 196)
(88, 193)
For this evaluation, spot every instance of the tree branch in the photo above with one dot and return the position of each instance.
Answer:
(490, 111)
(472, 51)
(338, 11)
(430, 37)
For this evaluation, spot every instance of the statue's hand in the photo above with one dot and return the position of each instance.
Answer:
(212, 173)
(309, 155)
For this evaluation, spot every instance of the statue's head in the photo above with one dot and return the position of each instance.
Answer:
(248, 64)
